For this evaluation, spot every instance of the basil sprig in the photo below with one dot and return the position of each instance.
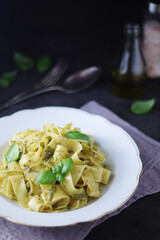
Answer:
(43, 64)
(46, 177)
(67, 165)
(58, 172)
(12, 153)
(78, 135)
(7, 78)
(10, 76)
(24, 63)
(4, 83)
(59, 177)
(142, 107)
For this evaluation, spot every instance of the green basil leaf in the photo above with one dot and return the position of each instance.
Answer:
(24, 63)
(46, 177)
(54, 170)
(57, 169)
(61, 163)
(59, 177)
(43, 64)
(4, 83)
(12, 153)
(143, 107)
(10, 76)
(77, 135)
(67, 166)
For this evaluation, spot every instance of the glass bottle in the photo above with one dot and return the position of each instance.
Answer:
(128, 77)
(151, 39)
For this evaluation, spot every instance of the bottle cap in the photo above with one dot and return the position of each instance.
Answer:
(153, 7)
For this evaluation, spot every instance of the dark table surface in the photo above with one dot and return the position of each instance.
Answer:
(80, 45)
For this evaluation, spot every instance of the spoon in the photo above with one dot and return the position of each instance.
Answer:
(75, 83)
(79, 81)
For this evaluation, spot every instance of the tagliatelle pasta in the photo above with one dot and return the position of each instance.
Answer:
(40, 151)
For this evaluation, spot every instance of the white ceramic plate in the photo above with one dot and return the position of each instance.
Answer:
(122, 156)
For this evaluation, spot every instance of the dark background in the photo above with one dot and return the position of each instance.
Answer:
(75, 30)
(83, 33)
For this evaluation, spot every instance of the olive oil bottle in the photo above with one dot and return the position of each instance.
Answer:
(128, 77)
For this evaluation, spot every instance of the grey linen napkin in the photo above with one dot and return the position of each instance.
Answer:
(149, 183)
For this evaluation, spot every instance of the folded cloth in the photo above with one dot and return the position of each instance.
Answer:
(149, 183)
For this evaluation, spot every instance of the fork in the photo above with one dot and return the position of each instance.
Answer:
(48, 81)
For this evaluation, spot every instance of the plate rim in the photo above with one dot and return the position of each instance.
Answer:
(139, 173)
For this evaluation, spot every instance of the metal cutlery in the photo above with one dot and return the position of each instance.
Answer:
(74, 83)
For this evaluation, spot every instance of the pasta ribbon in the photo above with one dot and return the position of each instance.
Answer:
(42, 150)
